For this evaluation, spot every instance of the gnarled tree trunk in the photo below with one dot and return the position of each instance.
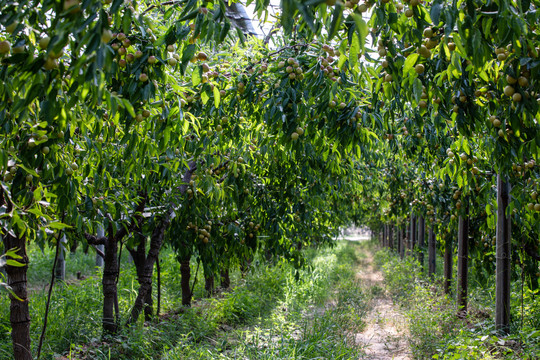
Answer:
(225, 279)
(185, 273)
(110, 288)
(19, 311)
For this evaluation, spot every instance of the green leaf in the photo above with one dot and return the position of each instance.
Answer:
(435, 12)
(196, 76)
(187, 55)
(204, 97)
(361, 28)
(354, 50)
(337, 19)
(58, 225)
(217, 97)
(128, 107)
(409, 63)
(417, 90)
(12, 253)
(15, 263)
(28, 170)
(287, 11)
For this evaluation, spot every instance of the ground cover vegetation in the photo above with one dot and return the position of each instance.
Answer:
(435, 329)
(270, 312)
(128, 127)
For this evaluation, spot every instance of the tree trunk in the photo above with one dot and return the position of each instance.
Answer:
(110, 289)
(145, 289)
(19, 311)
(448, 264)
(502, 296)
(463, 262)
(138, 256)
(225, 279)
(185, 273)
(391, 237)
(421, 240)
(432, 253)
(398, 239)
(209, 285)
(60, 270)
(99, 259)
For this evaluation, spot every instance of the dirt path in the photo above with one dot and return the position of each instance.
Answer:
(386, 330)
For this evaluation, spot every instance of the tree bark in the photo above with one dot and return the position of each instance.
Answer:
(448, 264)
(209, 285)
(110, 291)
(138, 256)
(99, 258)
(502, 295)
(19, 310)
(185, 273)
(432, 253)
(156, 241)
(145, 289)
(60, 270)
(421, 240)
(391, 237)
(463, 262)
(398, 239)
(225, 279)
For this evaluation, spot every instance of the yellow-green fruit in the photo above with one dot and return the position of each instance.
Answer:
(106, 36)
(523, 82)
(5, 47)
(294, 136)
(511, 80)
(11, 27)
(509, 90)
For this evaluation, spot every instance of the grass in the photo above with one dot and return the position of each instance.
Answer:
(435, 331)
(274, 312)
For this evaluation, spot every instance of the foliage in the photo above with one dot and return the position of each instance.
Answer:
(434, 327)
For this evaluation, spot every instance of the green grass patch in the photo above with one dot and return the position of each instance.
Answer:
(274, 312)
(436, 332)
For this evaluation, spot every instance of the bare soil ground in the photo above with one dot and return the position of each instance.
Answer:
(385, 335)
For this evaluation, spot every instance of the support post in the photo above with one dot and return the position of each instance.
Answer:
(502, 296)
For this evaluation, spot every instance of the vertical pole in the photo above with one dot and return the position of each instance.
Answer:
(502, 295)
(463, 261)
(412, 237)
(391, 236)
(431, 252)
(421, 240)
(403, 240)
(448, 263)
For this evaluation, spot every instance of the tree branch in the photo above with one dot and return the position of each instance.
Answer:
(95, 240)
